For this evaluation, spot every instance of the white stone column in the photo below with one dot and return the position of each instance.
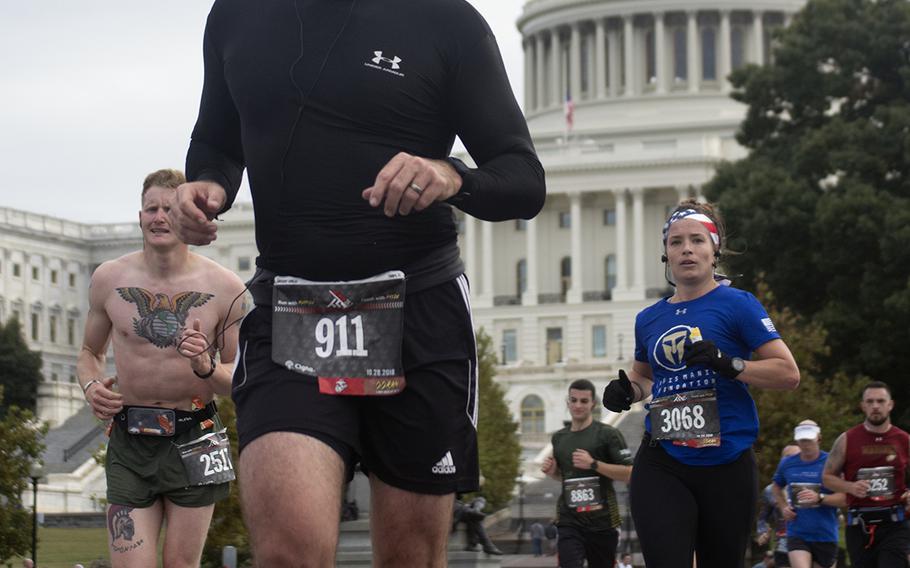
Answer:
(638, 242)
(621, 265)
(613, 54)
(485, 299)
(556, 64)
(628, 36)
(540, 72)
(575, 292)
(788, 19)
(660, 53)
(530, 348)
(470, 254)
(575, 62)
(529, 51)
(692, 59)
(600, 60)
(726, 51)
(758, 37)
(529, 298)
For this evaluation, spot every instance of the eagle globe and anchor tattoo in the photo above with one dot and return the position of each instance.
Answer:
(162, 318)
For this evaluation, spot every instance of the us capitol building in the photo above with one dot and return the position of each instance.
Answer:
(558, 294)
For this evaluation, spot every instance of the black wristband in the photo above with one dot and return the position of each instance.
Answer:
(209, 374)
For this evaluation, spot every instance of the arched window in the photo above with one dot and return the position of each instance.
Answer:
(565, 275)
(521, 276)
(532, 415)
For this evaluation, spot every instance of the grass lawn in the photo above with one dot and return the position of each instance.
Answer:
(61, 548)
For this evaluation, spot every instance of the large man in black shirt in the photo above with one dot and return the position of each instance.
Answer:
(344, 113)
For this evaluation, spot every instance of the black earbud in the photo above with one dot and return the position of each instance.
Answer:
(663, 258)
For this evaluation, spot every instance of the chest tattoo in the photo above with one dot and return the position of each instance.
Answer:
(161, 318)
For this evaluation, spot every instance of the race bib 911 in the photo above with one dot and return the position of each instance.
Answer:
(347, 334)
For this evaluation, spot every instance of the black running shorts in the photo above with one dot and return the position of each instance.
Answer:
(423, 439)
(823, 553)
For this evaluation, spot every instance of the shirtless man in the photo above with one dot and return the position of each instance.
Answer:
(162, 307)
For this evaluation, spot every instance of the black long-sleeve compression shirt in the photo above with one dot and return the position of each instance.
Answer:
(314, 97)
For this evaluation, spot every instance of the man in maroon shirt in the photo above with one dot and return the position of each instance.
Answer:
(869, 463)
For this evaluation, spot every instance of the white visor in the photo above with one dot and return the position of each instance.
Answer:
(806, 432)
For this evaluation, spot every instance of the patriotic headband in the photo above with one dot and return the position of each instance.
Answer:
(695, 216)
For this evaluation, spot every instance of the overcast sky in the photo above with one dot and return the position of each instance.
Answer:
(94, 94)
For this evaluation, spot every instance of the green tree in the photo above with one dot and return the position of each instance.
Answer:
(20, 368)
(497, 437)
(227, 526)
(821, 205)
(833, 402)
(20, 447)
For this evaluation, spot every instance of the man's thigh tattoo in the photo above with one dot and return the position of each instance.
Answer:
(122, 528)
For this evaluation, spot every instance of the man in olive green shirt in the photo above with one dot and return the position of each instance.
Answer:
(587, 457)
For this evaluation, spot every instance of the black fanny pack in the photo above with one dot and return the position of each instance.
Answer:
(155, 421)
(875, 515)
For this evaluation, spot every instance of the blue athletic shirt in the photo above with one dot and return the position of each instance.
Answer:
(817, 524)
(738, 324)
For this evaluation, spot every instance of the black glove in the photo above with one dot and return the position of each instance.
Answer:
(618, 394)
(706, 353)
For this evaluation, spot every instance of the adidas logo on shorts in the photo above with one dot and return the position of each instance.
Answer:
(445, 466)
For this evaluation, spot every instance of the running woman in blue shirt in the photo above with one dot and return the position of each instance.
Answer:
(693, 487)
(809, 508)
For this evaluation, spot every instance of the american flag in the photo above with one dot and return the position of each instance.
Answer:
(570, 112)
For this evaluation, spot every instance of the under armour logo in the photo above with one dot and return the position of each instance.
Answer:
(394, 62)
(681, 311)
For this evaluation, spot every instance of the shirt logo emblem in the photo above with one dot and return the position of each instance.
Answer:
(393, 62)
(386, 64)
(681, 311)
(668, 349)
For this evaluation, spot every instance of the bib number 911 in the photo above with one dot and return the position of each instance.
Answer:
(327, 330)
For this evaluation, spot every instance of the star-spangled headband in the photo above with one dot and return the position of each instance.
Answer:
(695, 216)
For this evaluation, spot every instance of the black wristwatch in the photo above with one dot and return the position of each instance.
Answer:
(594, 465)
(738, 364)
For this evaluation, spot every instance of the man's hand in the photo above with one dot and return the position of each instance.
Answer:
(191, 216)
(808, 496)
(549, 466)
(581, 459)
(859, 488)
(763, 538)
(104, 401)
(618, 394)
(195, 346)
(787, 512)
(410, 183)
